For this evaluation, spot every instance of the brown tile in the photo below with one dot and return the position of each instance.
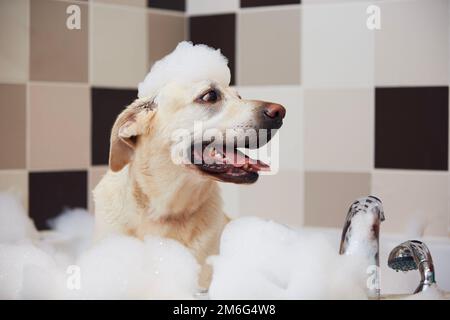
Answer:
(12, 126)
(14, 40)
(16, 182)
(217, 31)
(95, 174)
(56, 52)
(59, 127)
(261, 3)
(162, 43)
(328, 195)
(178, 5)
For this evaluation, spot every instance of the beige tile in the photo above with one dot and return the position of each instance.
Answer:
(136, 3)
(14, 40)
(268, 47)
(58, 53)
(198, 7)
(328, 195)
(339, 129)
(230, 196)
(337, 46)
(412, 47)
(16, 182)
(95, 175)
(278, 197)
(12, 126)
(412, 199)
(59, 127)
(162, 43)
(290, 136)
(118, 45)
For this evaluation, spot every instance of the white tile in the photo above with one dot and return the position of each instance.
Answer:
(118, 45)
(413, 200)
(14, 40)
(197, 7)
(339, 129)
(337, 47)
(290, 136)
(412, 47)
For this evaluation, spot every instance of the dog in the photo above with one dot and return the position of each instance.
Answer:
(145, 192)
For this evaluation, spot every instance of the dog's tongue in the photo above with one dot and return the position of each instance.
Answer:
(239, 159)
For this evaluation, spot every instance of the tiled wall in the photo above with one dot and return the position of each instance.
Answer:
(367, 110)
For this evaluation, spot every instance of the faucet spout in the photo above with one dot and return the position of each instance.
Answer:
(414, 255)
(360, 236)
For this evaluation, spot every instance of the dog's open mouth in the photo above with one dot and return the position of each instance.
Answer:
(226, 164)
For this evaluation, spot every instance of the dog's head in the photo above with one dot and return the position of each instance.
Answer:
(195, 127)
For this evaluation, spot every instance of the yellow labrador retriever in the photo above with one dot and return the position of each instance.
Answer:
(147, 192)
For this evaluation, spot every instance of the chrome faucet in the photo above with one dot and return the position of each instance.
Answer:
(360, 236)
(413, 255)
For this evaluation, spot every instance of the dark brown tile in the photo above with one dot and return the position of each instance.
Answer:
(58, 53)
(411, 128)
(12, 126)
(106, 105)
(217, 31)
(178, 5)
(52, 192)
(261, 3)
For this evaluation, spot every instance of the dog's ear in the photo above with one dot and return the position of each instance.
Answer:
(129, 125)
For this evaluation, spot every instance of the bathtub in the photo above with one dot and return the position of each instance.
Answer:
(393, 282)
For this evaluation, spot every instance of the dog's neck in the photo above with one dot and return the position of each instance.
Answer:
(164, 193)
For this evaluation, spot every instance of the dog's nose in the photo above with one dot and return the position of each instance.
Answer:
(274, 111)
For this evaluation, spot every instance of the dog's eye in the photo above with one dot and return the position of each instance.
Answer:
(210, 96)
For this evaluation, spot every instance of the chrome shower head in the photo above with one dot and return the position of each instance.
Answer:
(414, 255)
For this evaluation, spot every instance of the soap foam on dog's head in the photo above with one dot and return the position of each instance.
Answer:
(186, 64)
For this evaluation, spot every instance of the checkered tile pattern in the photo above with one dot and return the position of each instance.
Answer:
(367, 110)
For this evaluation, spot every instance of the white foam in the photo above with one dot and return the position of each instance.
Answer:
(188, 63)
(118, 267)
(265, 260)
(258, 260)
(14, 222)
